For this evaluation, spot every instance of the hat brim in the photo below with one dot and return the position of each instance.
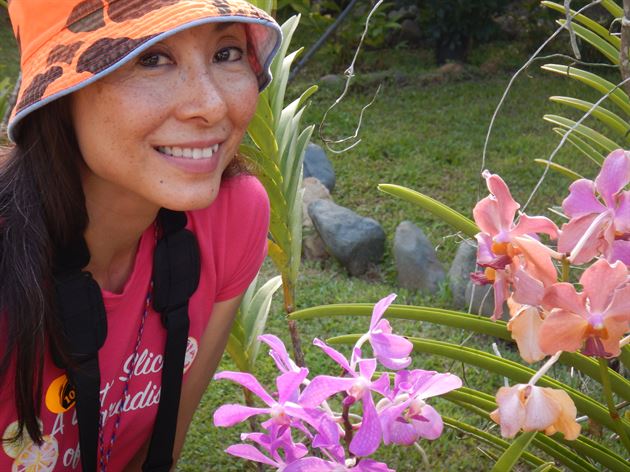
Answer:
(75, 59)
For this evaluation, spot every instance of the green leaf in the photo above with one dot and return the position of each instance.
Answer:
(255, 316)
(608, 118)
(586, 21)
(512, 454)
(263, 163)
(617, 95)
(608, 50)
(544, 468)
(263, 109)
(560, 169)
(614, 9)
(591, 135)
(263, 136)
(585, 148)
(237, 353)
(445, 213)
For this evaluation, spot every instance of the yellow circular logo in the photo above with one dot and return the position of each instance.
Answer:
(60, 395)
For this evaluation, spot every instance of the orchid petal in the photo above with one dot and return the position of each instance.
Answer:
(500, 294)
(380, 307)
(369, 465)
(622, 212)
(562, 331)
(249, 452)
(381, 385)
(486, 216)
(582, 200)
(484, 249)
(438, 384)
(620, 251)
(540, 410)
(525, 328)
(335, 355)
(231, 414)
(533, 225)
(573, 232)
(433, 425)
(323, 387)
(507, 206)
(279, 353)
(394, 430)
(538, 259)
(368, 437)
(599, 281)
(527, 289)
(563, 295)
(619, 308)
(310, 464)
(510, 414)
(249, 382)
(614, 176)
(288, 384)
(565, 422)
(367, 367)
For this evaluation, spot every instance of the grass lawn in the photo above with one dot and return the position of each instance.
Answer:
(426, 131)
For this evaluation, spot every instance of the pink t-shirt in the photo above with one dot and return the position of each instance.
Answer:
(232, 240)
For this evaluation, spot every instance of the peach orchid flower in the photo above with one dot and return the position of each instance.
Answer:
(498, 241)
(595, 319)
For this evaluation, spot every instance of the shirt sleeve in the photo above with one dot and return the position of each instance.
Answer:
(245, 236)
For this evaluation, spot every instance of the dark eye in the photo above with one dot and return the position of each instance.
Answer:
(230, 54)
(153, 59)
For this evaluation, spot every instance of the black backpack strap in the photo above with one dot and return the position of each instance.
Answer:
(176, 267)
(84, 323)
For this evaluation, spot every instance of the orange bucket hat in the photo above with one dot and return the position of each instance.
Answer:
(68, 44)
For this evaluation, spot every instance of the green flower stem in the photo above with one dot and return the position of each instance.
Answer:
(566, 267)
(614, 414)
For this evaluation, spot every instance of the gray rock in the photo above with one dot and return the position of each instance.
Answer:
(312, 245)
(316, 164)
(459, 273)
(462, 288)
(416, 262)
(354, 240)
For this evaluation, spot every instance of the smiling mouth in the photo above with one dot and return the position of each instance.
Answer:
(189, 153)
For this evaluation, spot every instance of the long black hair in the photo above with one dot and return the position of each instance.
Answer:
(41, 207)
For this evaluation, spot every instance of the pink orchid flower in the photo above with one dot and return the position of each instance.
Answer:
(358, 387)
(596, 318)
(390, 349)
(498, 241)
(278, 440)
(285, 411)
(595, 227)
(314, 464)
(530, 408)
(279, 354)
(404, 414)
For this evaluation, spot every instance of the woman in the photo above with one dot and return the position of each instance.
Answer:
(126, 107)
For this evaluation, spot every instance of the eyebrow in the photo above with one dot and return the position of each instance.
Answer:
(220, 26)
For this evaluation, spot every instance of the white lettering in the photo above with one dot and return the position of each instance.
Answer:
(71, 457)
(147, 363)
(58, 426)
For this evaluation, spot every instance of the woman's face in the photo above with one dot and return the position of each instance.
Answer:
(162, 128)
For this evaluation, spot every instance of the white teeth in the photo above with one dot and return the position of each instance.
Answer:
(189, 153)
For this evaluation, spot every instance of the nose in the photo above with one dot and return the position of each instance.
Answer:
(200, 97)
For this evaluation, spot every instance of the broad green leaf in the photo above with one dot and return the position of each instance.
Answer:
(247, 296)
(590, 134)
(256, 314)
(466, 321)
(585, 148)
(237, 353)
(294, 162)
(560, 169)
(587, 22)
(594, 81)
(283, 78)
(264, 163)
(608, 50)
(544, 468)
(608, 118)
(278, 256)
(263, 136)
(445, 213)
(512, 454)
(295, 224)
(279, 71)
(263, 109)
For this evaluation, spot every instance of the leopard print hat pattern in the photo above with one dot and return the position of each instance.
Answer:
(68, 44)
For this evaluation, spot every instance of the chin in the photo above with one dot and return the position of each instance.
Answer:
(194, 202)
